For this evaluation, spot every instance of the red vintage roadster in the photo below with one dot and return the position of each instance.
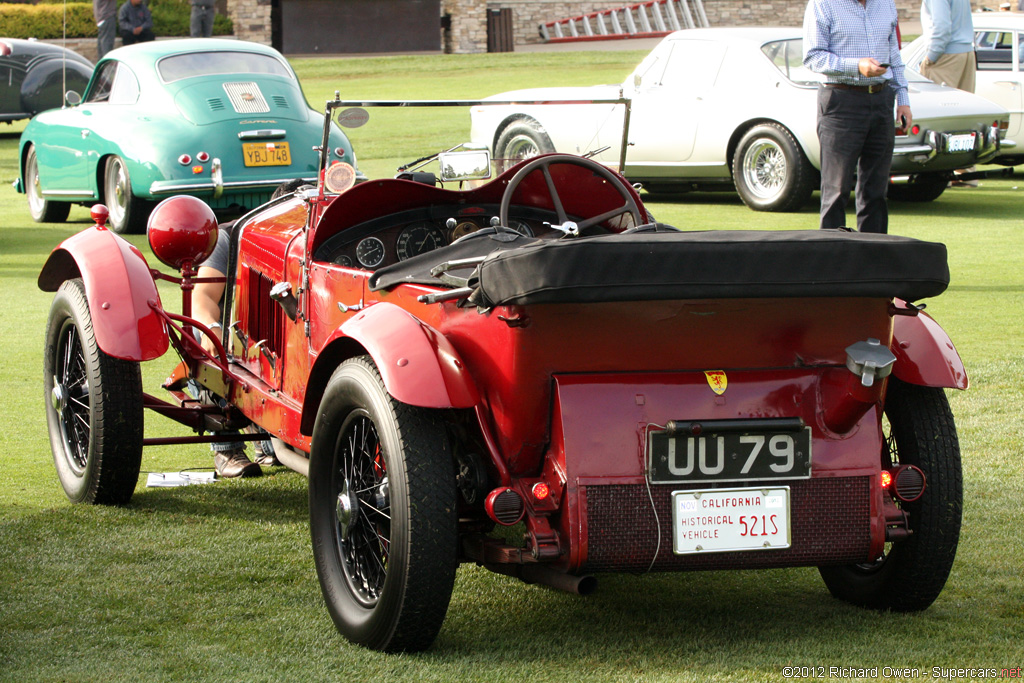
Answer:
(533, 352)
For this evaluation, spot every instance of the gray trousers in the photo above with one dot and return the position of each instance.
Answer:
(857, 134)
(201, 21)
(105, 37)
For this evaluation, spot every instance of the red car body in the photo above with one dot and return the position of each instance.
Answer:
(564, 378)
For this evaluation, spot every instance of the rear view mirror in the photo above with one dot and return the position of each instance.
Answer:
(72, 98)
(468, 165)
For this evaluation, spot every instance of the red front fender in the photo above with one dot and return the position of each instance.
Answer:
(417, 363)
(925, 355)
(120, 290)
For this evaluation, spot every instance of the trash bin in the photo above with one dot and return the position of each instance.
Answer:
(499, 30)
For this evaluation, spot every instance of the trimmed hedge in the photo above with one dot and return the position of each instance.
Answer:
(46, 20)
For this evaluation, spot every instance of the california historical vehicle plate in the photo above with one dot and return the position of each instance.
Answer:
(722, 520)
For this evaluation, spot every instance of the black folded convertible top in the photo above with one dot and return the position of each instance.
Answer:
(710, 265)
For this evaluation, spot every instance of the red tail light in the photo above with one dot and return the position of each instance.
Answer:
(886, 479)
(540, 490)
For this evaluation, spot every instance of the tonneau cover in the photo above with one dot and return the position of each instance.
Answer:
(711, 265)
(714, 264)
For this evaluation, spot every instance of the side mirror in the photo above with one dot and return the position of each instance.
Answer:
(72, 98)
(468, 165)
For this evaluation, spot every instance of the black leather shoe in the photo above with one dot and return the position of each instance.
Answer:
(230, 464)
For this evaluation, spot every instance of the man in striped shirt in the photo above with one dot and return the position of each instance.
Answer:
(854, 44)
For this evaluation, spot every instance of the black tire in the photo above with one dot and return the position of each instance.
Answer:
(128, 213)
(912, 573)
(42, 210)
(770, 170)
(93, 406)
(521, 140)
(924, 187)
(382, 508)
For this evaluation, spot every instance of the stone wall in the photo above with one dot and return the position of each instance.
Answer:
(252, 20)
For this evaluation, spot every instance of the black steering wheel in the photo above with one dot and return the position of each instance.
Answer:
(543, 164)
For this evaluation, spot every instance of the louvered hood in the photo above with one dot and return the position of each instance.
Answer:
(208, 102)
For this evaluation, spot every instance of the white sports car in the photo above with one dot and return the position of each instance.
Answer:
(717, 108)
(999, 39)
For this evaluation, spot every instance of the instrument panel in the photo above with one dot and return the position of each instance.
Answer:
(399, 237)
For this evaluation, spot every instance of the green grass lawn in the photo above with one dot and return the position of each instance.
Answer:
(217, 582)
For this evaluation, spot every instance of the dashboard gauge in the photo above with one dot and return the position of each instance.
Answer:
(343, 260)
(370, 252)
(464, 228)
(520, 227)
(418, 238)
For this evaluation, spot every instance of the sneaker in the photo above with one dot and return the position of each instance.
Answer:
(963, 183)
(265, 459)
(230, 464)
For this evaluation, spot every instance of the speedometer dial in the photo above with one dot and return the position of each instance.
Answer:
(418, 238)
(370, 252)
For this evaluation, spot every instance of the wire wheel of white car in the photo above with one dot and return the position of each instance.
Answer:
(523, 139)
(918, 430)
(93, 406)
(770, 170)
(42, 210)
(128, 213)
(923, 187)
(382, 504)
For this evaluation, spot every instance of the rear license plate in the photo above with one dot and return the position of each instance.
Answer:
(266, 154)
(724, 520)
(729, 455)
(960, 143)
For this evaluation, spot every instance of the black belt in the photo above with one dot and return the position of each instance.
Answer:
(869, 89)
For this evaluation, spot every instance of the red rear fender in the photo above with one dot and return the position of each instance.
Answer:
(120, 290)
(417, 363)
(925, 355)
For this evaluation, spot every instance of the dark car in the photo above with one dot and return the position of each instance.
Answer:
(534, 353)
(34, 77)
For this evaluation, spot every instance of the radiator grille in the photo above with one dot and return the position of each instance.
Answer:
(830, 521)
(265, 315)
(246, 98)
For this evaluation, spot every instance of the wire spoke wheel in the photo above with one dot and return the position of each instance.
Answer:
(764, 169)
(382, 509)
(918, 429)
(94, 406)
(363, 510)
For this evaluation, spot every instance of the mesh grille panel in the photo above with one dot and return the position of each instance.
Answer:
(830, 521)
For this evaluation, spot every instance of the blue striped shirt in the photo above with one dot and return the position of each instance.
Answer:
(839, 33)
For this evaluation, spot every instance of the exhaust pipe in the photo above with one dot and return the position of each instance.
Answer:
(547, 576)
(291, 458)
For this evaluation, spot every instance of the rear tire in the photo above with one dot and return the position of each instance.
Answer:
(924, 187)
(912, 573)
(128, 213)
(93, 406)
(42, 210)
(382, 507)
(771, 171)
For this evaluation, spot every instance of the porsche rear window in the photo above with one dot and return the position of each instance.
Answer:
(192, 64)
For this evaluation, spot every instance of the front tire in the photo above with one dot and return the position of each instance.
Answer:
(382, 506)
(128, 213)
(912, 573)
(93, 406)
(924, 187)
(770, 170)
(42, 210)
